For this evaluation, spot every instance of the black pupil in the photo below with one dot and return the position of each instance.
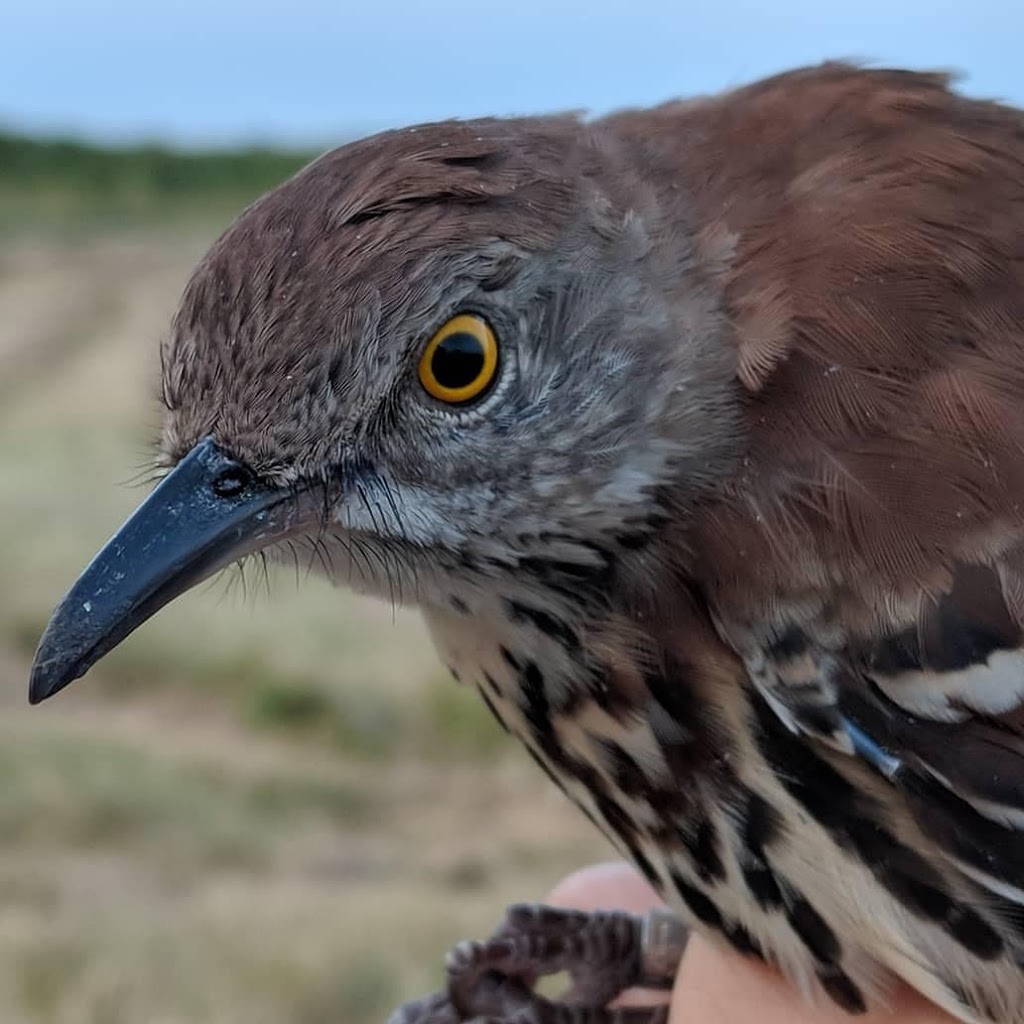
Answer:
(458, 360)
(231, 482)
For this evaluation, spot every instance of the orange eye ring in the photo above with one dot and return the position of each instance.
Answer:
(460, 361)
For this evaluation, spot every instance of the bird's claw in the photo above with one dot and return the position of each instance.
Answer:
(604, 953)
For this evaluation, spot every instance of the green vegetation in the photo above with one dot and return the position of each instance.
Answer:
(69, 186)
(93, 793)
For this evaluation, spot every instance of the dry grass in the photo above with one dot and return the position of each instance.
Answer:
(261, 808)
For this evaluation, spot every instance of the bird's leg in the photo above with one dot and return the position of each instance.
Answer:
(604, 953)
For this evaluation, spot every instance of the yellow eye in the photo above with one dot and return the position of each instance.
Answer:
(461, 360)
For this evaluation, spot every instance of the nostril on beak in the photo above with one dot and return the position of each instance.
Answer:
(230, 482)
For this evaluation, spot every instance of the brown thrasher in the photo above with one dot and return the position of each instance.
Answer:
(697, 434)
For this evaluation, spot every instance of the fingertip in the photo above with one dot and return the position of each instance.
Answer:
(611, 885)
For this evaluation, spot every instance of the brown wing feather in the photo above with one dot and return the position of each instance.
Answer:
(877, 288)
(872, 544)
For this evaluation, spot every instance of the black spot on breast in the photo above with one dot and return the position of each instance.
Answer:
(537, 710)
(696, 747)
(570, 699)
(874, 843)
(646, 869)
(827, 796)
(459, 605)
(701, 906)
(743, 942)
(671, 804)
(455, 675)
(618, 820)
(702, 845)
(615, 700)
(760, 825)
(760, 881)
(625, 772)
(510, 659)
(584, 581)
(491, 684)
(918, 896)
(533, 678)
(813, 932)
(842, 990)
(667, 801)
(544, 621)
(539, 761)
(974, 934)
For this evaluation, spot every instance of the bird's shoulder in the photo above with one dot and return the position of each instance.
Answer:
(879, 342)
(866, 557)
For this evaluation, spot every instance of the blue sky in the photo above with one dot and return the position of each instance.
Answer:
(311, 71)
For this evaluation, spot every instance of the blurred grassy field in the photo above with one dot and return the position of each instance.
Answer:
(264, 807)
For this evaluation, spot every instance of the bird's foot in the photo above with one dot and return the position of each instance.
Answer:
(603, 952)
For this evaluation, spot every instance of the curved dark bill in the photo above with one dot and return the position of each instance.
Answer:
(205, 514)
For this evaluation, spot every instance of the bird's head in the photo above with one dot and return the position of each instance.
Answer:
(440, 357)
